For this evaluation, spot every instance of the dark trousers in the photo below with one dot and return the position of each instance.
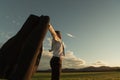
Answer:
(56, 65)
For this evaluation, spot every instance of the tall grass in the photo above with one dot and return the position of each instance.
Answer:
(81, 76)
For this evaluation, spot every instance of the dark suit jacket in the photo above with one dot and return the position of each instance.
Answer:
(21, 51)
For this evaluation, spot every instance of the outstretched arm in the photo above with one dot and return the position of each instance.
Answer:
(53, 33)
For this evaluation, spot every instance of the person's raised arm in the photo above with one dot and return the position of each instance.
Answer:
(53, 33)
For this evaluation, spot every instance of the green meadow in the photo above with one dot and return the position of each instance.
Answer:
(80, 76)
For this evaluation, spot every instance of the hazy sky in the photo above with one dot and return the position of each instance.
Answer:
(90, 28)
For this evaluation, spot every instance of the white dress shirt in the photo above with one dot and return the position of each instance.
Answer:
(57, 48)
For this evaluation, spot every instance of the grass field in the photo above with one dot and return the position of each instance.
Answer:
(81, 76)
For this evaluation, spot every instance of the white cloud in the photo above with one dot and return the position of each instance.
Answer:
(70, 35)
(69, 61)
(45, 61)
(99, 63)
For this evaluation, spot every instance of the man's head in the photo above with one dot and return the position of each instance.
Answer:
(58, 34)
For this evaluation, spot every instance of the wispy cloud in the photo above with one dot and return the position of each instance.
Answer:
(70, 35)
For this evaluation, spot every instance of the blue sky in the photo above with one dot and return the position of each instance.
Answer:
(90, 28)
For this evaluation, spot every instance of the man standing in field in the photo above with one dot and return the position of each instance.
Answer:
(58, 51)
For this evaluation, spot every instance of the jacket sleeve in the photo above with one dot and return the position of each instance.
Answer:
(53, 33)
